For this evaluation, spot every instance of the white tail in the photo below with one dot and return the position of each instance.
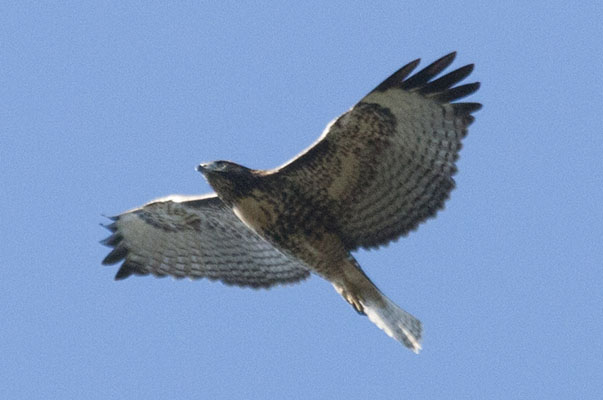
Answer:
(394, 321)
(358, 290)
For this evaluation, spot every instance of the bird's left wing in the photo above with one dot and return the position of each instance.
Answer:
(387, 164)
(196, 237)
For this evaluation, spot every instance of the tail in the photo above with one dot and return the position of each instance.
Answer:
(358, 290)
(394, 321)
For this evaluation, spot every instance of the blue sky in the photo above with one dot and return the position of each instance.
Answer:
(108, 105)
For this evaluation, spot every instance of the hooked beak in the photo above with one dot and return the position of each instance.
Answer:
(202, 168)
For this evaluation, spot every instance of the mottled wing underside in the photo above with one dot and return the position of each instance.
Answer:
(196, 237)
(387, 164)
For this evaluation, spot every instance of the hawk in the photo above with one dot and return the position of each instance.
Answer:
(376, 172)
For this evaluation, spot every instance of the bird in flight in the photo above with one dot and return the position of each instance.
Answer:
(375, 173)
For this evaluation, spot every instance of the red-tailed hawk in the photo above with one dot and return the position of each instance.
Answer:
(376, 172)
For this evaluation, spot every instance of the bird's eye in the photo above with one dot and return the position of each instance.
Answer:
(220, 166)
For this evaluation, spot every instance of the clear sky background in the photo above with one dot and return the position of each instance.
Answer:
(104, 106)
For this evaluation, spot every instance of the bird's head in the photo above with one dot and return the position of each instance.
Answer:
(231, 181)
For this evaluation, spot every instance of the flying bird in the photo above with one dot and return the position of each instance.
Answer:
(375, 174)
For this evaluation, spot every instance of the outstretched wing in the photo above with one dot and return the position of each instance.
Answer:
(387, 164)
(196, 237)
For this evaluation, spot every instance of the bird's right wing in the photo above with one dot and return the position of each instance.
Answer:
(197, 237)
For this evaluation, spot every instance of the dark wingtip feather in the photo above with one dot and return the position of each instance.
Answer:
(112, 240)
(448, 80)
(451, 56)
(466, 108)
(112, 226)
(397, 78)
(117, 254)
(129, 268)
(457, 92)
(426, 74)
(124, 271)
